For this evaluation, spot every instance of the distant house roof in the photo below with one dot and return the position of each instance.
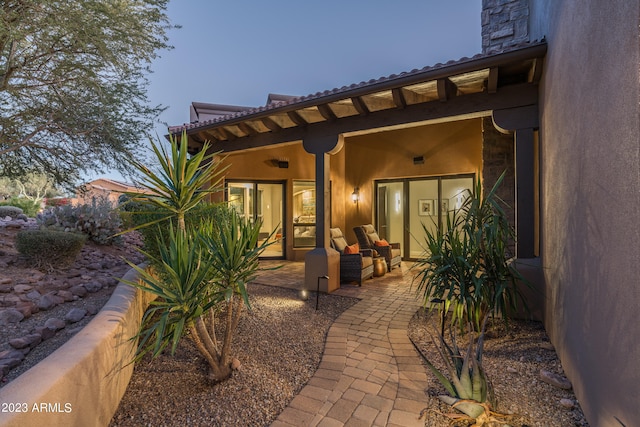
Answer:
(465, 86)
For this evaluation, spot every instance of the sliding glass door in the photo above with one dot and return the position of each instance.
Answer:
(261, 201)
(405, 207)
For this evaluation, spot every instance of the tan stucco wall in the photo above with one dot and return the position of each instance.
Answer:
(590, 201)
(82, 382)
(448, 148)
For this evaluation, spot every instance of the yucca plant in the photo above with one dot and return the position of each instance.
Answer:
(181, 183)
(201, 283)
(467, 264)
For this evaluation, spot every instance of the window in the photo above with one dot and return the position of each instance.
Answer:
(304, 214)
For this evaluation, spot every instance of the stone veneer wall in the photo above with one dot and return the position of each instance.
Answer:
(498, 156)
(505, 23)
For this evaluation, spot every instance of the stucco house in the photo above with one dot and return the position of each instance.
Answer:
(104, 188)
(553, 99)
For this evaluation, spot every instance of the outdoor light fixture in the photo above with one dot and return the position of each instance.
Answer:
(283, 164)
(419, 160)
(318, 290)
(355, 196)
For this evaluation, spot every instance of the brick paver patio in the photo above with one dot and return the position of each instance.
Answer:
(370, 374)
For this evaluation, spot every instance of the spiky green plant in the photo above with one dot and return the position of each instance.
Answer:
(467, 264)
(464, 378)
(181, 183)
(201, 282)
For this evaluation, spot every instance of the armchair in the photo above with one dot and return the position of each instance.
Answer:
(367, 238)
(354, 267)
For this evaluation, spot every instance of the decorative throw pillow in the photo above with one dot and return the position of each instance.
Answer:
(382, 242)
(353, 249)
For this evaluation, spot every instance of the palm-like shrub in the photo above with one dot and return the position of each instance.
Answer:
(199, 273)
(181, 183)
(201, 283)
(467, 264)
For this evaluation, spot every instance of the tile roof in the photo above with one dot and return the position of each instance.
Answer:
(275, 102)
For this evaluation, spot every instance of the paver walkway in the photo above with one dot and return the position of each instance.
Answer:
(370, 374)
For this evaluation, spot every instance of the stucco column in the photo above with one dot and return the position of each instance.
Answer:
(323, 260)
(525, 196)
(522, 121)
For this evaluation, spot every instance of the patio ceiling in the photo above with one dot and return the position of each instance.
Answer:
(468, 87)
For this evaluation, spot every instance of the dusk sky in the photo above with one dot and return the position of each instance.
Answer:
(237, 52)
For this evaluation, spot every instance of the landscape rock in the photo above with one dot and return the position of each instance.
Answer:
(34, 295)
(10, 315)
(5, 289)
(9, 299)
(78, 290)
(26, 308)
(65, 295)
(45, 332)
(47, 302)
(22, 289)
(6, 280)
(92, 310)
(7, 357)
(567, 403)
(555, 379)
(75, 315)
(55, 324)
(93, 286)
(31, 340)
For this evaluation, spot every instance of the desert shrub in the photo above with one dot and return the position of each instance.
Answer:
(98, 220)
(10, 210)
(29, 207)
(50, 248)
(140, 214)
(57, 201)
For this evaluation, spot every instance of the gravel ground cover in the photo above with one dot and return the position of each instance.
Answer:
(513, 360)
(279, 343)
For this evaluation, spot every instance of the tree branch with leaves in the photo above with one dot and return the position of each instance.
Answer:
(73, 81)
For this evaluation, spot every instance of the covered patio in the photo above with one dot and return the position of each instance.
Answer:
(439, 122)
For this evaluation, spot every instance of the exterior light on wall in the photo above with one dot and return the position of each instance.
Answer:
(355, 196)
(418, 160)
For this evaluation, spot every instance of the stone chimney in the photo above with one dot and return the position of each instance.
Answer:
(505, 23)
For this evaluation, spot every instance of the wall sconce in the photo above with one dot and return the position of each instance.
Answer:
(419, 160)
(355, 196)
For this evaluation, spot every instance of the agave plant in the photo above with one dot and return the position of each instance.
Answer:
(469, 388)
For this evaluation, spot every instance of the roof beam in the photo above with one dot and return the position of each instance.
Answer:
(327, 112)
(226, 135)
(535, 73)
(492, 83)
(269, 123)
(398, 97)
(360, 106)
(297, 118)
(244, 127)
(511, 96)
(446, 89)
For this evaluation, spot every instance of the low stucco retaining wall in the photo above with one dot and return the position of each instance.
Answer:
(82, 382)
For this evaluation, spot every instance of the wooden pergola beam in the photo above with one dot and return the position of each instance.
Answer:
(327, 112)
(446, 89)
